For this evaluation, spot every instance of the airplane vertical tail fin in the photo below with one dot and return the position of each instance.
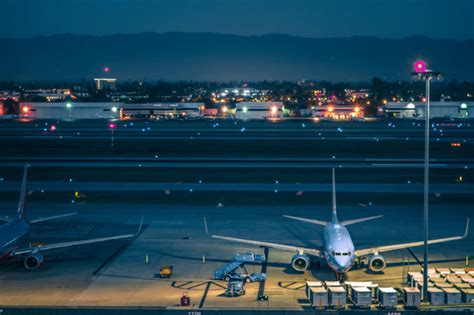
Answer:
(21, 202)
(334, 208)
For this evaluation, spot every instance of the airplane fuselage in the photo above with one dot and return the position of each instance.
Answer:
(338, 247)
(12, 235)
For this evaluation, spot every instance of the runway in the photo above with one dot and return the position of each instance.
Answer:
(64, 186)
(232, 162)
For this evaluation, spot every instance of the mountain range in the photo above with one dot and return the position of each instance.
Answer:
(226, 57)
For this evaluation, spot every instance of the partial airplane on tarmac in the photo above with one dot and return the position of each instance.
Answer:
(338, 250)
(14, 232)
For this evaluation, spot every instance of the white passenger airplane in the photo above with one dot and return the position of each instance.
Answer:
(338, 250)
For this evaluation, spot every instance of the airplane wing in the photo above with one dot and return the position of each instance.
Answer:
(309, 251)
(349, 222)
(41, 248)
(381, 249)
(312, 221)
(42, 219)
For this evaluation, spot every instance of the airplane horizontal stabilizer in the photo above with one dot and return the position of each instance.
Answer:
(349, 222)
(312, 221)
(42, 219)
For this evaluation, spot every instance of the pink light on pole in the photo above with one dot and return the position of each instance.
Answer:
(419, 66)
(106, 69)
(111, 125)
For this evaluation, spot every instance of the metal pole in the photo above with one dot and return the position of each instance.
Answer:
(112, 139)
(426, 190)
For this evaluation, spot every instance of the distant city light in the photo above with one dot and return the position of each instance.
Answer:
(419, 66)
(111, 125)
(68, 105)
(224, 109)
(356, 109)
(244, 109)
(463, 106)
(274, 109)
(25, 109)
(330, 108)
(52, 128)
(106, 69)
(114, 109)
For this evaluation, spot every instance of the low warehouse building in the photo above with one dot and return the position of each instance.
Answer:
(69, 110)
(258, 110)
(162, 110)
(437, 109)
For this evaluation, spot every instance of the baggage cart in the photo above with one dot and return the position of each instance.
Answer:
(166, 272)
(388, 298)
(332, 283)
(412, 297)
(337, 297)
(310, 284)
(444, 285)
(361, 297)
(462, 286)
(468, 295)
(453, 296)
(436, 296)
(318, 297)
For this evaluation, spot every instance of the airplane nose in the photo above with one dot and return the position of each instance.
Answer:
(344, 262)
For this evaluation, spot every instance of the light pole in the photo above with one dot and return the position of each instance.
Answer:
(421, 72)
(112, 128)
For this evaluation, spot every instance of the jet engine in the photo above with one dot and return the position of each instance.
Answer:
(300, 262)
(33, 261)
(377, 263)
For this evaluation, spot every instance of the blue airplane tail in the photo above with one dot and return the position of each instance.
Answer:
(21, 204)
(334, 208)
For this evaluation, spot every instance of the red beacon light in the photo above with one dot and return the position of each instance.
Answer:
(52, 128)
(419, 66)
(106, 69)
(112, 125)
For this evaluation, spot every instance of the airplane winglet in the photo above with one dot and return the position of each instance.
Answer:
(205, 226)
(139, 227)
(466, 232)
(21, 202)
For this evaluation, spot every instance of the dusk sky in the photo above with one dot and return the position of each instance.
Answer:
(312, 18)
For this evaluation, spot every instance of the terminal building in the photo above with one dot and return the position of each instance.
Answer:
(338, 112)
(109, 110)
(416, 110)
(258, 110)
(70, 110)
(162, 110)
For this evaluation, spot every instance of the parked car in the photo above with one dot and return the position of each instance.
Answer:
(249, 257)
(253, 277)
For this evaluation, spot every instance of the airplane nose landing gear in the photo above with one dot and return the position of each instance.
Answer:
(340, 276)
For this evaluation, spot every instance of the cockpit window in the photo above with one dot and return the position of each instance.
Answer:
(341, 254)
